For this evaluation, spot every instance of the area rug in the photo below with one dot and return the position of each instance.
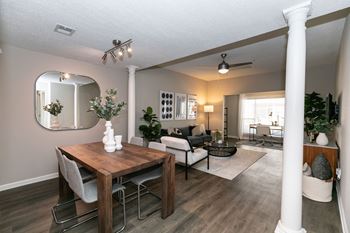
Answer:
(230, 167)
(275, 146)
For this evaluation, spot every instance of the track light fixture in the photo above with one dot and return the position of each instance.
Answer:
(120, 47)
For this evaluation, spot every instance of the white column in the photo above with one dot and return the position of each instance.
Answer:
(291, 206)
(131, 102)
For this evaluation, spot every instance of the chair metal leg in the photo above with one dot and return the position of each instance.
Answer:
(139, 216)
(54, 209)
(92, 217)
(124, 213)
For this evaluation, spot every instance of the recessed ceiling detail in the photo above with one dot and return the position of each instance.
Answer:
(65, 30)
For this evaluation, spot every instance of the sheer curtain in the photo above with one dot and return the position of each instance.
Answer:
(260, 108)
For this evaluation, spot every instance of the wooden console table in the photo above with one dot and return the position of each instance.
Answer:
(311, 150)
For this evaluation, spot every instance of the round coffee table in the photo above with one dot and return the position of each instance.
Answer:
(225, 149)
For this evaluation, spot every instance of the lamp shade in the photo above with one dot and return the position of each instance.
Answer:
(208, 108)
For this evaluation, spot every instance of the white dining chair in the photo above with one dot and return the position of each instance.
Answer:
(88, 191)
(136, 141)
(263, 132)
(85, 175)
(139, 180)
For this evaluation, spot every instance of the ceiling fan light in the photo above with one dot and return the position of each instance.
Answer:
(223, 67)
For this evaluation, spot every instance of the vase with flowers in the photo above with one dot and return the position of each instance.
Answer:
(54, 108)
(106, 108)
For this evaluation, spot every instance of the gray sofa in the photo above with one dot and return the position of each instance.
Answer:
(186, 133)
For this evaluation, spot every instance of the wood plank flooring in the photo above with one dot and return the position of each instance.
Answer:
(204, 203)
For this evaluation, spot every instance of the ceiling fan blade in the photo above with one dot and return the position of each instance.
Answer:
(241, 64)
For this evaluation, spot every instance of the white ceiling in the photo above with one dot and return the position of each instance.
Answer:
(162, 30)
(323, 42)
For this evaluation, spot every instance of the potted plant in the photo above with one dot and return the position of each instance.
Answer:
(314, 110)
(150, 130)
(106, 108)
(218, 136)
(322, 126)
(54, 108)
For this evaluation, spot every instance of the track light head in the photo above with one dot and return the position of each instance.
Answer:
(121, 52)
(113, 55)
(104, 58)
(129, 49)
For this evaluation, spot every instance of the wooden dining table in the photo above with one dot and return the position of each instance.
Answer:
(108, 166)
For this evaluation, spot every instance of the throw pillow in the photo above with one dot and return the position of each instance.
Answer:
(174, 131)
(196, 131)
(321, 168)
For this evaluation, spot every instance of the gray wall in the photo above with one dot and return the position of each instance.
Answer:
(321, 80)
(232, 105)
(150, 82)
(343, 131)
(26, 148)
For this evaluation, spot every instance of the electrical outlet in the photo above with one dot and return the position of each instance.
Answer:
(338, 173)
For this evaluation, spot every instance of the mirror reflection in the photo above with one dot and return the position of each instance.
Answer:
(62, 101)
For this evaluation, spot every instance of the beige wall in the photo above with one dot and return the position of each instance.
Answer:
(150, 82)
(26, 148)
(321, 80)
(85, 93)
(343, 131)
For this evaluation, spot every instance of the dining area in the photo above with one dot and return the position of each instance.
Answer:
(107, 183)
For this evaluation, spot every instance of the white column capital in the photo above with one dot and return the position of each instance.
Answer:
(132, 68)
(297, 13)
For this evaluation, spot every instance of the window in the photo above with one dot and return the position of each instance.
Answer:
(261, 108)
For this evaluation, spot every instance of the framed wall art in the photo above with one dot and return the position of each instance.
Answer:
(166, 107)
(191, 107)
(180, 106)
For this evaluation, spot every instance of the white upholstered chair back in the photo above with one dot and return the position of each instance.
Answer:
(136, 141)
(178, 143)
(74, 178)
(61, 164)
(157, 146)
(263, 130)
(179, 147)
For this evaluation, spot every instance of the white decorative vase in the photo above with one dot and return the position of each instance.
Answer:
(108, 128)
(110, 144)
(322, 139)
(55, 124)
(118, 142)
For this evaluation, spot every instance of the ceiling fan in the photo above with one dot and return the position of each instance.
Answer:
(224, 67)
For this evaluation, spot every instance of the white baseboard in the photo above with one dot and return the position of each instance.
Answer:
(230, 136)
(341, 210)
(28, 181)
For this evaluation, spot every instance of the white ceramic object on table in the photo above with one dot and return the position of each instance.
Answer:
(322, 139)
(108, 128)
(110, 144)
(118, 142)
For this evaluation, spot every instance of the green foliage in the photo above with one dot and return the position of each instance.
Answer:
(106, 107)
(150, 130)
(322, 126)
(314, 111)
(54, 108)
(218, 135)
